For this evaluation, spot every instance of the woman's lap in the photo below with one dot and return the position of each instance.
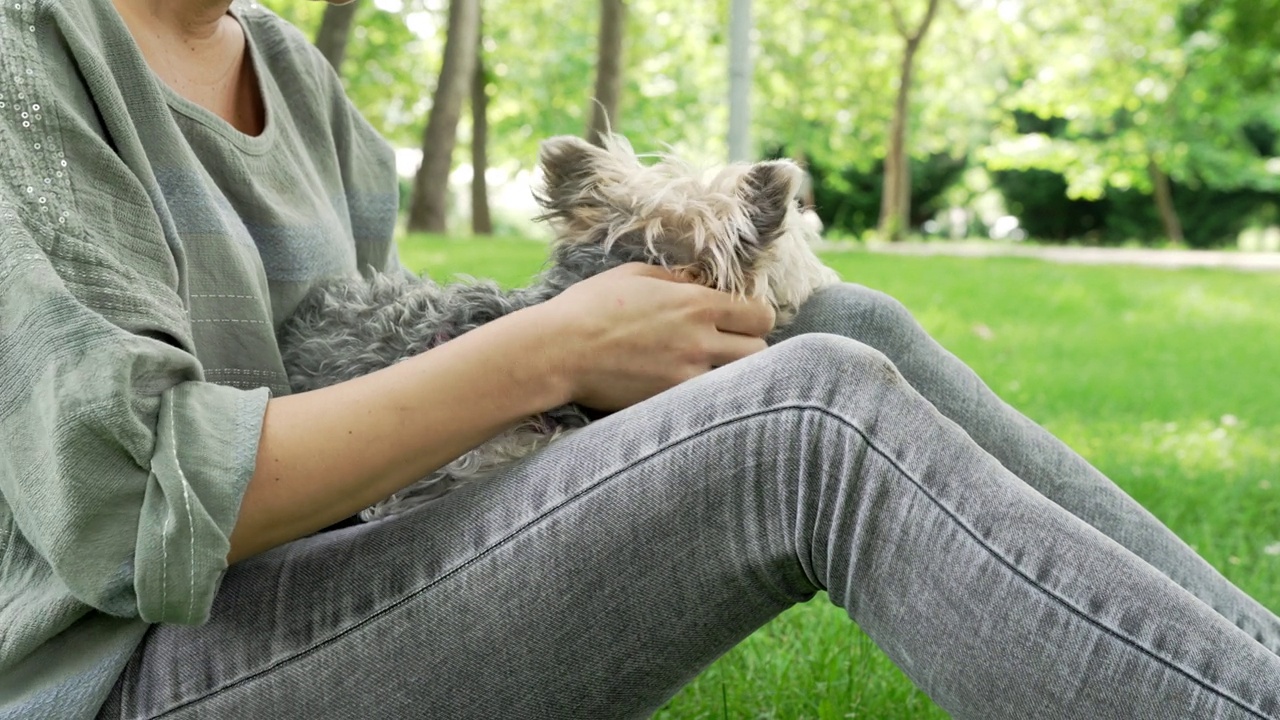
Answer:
(595, 579)
(409, 608)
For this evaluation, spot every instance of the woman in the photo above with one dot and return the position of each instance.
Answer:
(178, 174)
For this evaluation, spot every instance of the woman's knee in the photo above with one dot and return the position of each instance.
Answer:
(826, 373)
(818, 366)
(855, 311)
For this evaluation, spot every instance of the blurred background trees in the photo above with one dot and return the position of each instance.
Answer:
(1096, 121)
(429, 199)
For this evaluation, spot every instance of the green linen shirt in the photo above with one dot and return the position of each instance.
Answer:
(148, 253)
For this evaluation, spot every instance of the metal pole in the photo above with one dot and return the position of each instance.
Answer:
(740, 81)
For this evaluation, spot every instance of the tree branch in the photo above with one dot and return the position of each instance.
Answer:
(898, 20)
(925, 23)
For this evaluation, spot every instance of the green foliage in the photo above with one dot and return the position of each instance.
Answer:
(1163, 380)
(1191, 85)
(1211, 215)
(390, 70)
(848, 200)
(824, 75)
(1132, 85)
(1039, 199)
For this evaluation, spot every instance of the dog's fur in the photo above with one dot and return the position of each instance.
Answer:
(738, 230)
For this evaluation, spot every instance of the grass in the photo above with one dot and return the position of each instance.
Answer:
(1166, 380)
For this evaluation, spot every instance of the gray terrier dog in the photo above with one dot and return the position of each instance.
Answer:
(738, 230)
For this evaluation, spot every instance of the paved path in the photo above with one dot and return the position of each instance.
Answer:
(1171, 259)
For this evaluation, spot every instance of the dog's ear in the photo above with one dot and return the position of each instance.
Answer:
(570, 169)
(769, 190)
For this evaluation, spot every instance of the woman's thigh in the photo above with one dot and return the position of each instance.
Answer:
(574, 585)
(596, 578)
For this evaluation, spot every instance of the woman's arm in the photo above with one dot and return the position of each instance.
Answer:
(608, 342)
(327, 454)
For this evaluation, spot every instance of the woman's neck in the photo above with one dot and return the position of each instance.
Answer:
(201, 53)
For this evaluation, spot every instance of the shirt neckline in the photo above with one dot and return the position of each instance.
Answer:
(253, 144)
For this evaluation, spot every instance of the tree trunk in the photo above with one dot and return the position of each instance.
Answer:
(604, 111)
(895, 201)
(335, 32)
(1164, 203)
(428, 206)
(740, 75)
(481, 220)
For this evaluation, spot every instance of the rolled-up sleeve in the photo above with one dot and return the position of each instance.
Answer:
(205, 447)
(123, 470)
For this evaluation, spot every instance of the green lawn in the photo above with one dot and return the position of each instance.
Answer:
(1169, 381)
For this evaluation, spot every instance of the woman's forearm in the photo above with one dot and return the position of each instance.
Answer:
(325, 455)
(607, 342)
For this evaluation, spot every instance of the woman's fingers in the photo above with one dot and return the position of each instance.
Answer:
(752, 317)
(731, 347)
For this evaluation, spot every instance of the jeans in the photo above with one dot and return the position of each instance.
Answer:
(1001, 572)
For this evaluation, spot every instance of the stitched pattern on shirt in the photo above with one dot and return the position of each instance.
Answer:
(230, 320)
(247, 379)
(14, 260)
(186, 501)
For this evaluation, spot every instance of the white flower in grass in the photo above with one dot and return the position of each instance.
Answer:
(1272, 549)
(1230, 420)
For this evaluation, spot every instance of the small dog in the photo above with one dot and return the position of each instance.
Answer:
(738, 230)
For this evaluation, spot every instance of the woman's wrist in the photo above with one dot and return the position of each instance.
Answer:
(556, 348)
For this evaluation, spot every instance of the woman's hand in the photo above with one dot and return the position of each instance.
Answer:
(637, 330)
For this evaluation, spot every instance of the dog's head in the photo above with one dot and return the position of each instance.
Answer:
(737, 229)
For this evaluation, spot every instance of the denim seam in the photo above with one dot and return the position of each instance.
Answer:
(530, 524)
(1012, 567)
(662, 449)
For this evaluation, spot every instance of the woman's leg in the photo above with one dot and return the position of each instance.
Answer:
(598, 577)
(1026, 449)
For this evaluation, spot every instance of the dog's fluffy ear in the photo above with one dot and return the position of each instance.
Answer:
(769, 191)
(571, 167)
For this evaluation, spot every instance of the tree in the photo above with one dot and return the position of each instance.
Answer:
(1152, 94)
(481, 220)
(428, 206)
(895, 202)
(335, 32)
(609, 55)
(1149, 98)
(1164, 202)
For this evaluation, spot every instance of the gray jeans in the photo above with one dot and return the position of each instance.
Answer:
(1002, 573)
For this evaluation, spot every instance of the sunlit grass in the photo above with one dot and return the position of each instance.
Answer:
(1168, 381)
(510, 261)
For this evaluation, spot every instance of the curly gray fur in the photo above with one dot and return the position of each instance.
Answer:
(739, 233)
